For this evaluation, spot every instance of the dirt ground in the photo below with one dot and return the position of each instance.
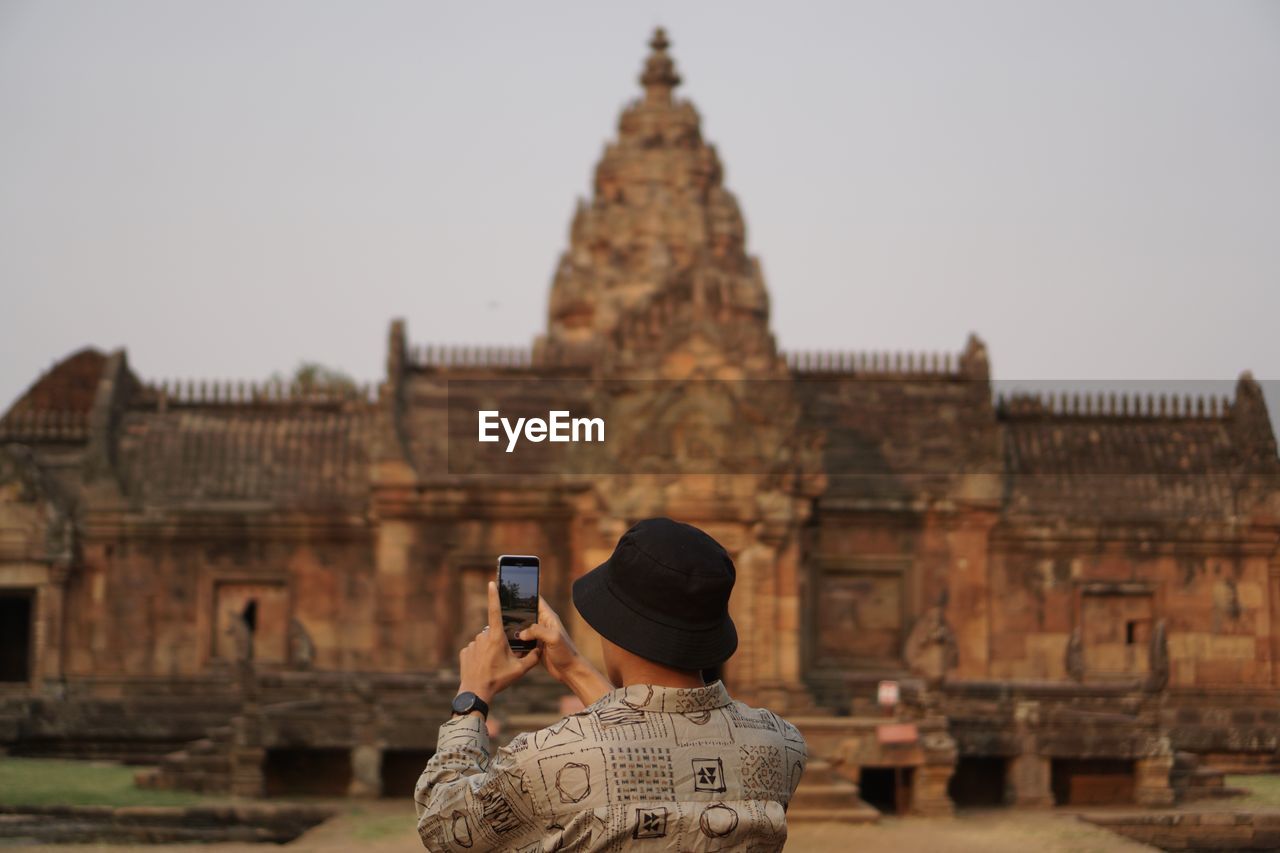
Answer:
(385, 826)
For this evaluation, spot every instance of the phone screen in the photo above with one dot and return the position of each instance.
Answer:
(518, 595)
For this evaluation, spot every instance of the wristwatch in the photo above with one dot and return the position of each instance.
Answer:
(466, 702)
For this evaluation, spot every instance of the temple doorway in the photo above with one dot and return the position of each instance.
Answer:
(17, 624)
(979, 782)
(313, 772)
(259, 612)
(401, 769)
(888, 789)
(1092, 781)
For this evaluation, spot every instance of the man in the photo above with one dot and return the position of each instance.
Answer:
(657, 761)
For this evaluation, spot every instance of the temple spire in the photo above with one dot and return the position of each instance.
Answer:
(660, 238)
(659, 76)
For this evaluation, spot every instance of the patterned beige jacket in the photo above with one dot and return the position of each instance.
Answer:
(645, 768)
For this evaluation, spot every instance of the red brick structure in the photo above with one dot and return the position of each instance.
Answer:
(1069, 590)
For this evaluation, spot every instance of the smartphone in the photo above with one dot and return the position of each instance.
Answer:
(518, 595)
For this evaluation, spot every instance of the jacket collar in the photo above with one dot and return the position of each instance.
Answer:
(668, 700)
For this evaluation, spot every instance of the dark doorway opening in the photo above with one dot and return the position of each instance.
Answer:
(401, 769)
(978, 782)
(322, 772)
(1092, 781)
(15, 634)
(250, 616)
(888, 789)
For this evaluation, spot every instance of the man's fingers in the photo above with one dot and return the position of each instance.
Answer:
(537, 632)
(495, 608)
(547, 616)
(530, 660)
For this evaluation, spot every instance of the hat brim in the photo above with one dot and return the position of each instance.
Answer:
(662, 643)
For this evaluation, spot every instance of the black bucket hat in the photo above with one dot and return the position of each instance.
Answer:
(664, 595)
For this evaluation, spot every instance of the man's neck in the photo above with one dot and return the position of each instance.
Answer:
(660, 676)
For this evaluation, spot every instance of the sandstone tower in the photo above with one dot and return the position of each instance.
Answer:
(659, 251)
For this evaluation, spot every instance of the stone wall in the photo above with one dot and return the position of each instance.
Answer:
(1113, 586)
(159, 600)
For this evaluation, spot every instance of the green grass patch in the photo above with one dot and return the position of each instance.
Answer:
(1264, 790)
(52, 782)
(377, 827)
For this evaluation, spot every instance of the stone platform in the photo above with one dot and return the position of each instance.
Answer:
(265, 822)
(1190, 831)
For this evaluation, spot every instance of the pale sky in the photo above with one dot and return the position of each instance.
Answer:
(227, 188)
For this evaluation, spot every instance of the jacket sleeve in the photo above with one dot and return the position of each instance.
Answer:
(467, 800)
(798, 764)
(797, 752)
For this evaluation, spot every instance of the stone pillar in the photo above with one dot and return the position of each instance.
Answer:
(366, 755)
(366, 771)
(246, 772)
(788, 612)
(386, 637)
(751, 673)
(1151, 777)
(247, 756)
(1029, 781)
(1030, 778)
(966, 548)
(929, 795)
(52, 600)
(766, 609)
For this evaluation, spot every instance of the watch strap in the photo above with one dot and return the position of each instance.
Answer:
(472, 703)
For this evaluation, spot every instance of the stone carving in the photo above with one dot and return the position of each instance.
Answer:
(302, 650)
(1074, 663)
(1158, 658)
(931, 649)
(241, 637)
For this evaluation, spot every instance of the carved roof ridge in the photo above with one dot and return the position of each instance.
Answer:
(1110, 404)
(886, 362)
(464, 355)
(45, 425)
(231, 392)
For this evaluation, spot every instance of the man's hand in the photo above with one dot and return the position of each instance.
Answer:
(562, 658)
(487, 664)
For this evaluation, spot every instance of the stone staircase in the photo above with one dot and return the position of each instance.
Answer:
(203, 766)
(824, 795)
(1192, 780)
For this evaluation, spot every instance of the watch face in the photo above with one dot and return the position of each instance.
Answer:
(464, 703)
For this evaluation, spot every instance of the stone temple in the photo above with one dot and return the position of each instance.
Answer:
(262, 589)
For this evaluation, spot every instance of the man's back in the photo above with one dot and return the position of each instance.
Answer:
(689, 766)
